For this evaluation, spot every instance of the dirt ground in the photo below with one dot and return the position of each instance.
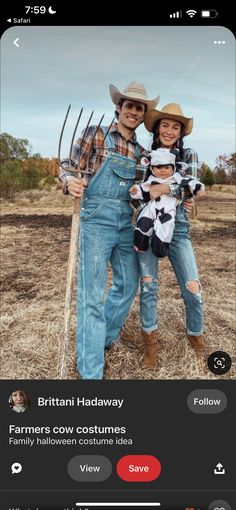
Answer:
(35, 237)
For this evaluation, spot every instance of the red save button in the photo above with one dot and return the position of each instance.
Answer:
(138, 468)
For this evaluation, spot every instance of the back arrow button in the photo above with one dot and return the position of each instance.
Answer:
(16, 42)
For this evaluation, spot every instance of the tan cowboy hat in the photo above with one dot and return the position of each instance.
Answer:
(135, 91)
(170, 111)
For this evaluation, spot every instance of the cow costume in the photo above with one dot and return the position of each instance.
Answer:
(157, 218)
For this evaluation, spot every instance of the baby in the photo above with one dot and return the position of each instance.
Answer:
(157, 218)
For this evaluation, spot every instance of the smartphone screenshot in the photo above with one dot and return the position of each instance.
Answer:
(118, 347)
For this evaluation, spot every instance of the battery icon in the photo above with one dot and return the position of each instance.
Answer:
(211, 13)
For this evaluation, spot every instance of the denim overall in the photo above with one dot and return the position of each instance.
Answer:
(182, 259)
(106, 236)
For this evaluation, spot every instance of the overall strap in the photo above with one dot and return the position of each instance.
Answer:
(109, 142)
(137, 151)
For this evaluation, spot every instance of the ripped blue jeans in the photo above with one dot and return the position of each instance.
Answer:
(182, 259)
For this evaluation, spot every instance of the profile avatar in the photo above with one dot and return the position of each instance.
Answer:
(19, 401)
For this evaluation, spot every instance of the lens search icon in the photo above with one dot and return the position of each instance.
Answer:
(16, 468)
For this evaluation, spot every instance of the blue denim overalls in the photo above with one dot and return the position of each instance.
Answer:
(106, 236)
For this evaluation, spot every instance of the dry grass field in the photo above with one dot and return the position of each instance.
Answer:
(35, 240)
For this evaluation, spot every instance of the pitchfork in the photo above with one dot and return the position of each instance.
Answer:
(74, 228)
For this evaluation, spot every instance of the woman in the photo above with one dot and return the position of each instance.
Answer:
(19, 401)
(169, 126)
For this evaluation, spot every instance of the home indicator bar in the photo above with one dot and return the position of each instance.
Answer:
(121, 505)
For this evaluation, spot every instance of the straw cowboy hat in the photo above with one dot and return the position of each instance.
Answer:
(170, 111)
(135, 91)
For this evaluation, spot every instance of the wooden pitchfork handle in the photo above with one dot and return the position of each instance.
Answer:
(69, 285)
(73, 243)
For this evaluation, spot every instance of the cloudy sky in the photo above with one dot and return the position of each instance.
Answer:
(55, 66)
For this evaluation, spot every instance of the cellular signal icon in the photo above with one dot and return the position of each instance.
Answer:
(177, 14)
(191, 13)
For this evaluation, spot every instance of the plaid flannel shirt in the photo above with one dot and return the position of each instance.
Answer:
(88, 153)
(191, 158)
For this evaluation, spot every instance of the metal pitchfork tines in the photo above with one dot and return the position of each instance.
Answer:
(74, 227)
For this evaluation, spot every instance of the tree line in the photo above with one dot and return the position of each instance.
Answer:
(22, 170)
(223, 173)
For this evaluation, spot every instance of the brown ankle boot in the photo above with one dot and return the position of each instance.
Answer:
(197, 342)
(150, 348)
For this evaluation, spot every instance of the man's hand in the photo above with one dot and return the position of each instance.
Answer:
(77, 186)
(156, 190)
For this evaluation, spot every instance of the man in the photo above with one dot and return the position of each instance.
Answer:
(106, 231)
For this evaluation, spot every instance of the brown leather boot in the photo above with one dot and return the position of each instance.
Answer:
(150, 348)
(197, 342)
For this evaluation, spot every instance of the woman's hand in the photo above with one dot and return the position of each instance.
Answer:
(76, 186)
(188, 204)
(156, 190)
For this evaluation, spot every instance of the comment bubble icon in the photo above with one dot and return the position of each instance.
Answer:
(16, 468)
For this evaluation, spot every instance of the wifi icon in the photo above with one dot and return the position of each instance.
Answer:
(191, 13)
